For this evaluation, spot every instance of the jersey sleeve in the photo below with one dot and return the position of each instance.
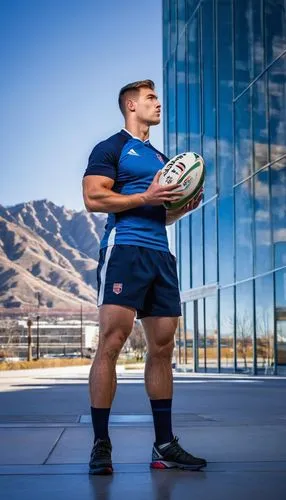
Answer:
(102, 161)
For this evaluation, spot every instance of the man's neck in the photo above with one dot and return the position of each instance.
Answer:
(138, 130)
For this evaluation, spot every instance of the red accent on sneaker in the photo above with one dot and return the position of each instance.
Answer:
(158, 465)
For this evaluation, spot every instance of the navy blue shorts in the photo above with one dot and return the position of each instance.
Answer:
(139, 277)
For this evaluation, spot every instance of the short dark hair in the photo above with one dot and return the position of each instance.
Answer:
(133, 86)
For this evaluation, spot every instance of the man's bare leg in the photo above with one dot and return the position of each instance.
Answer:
(160, 334)
(115, 325)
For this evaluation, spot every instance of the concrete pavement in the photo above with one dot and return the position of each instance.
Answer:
(237, 423)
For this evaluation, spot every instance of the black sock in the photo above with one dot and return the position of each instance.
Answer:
(162, 416)
(100, 417)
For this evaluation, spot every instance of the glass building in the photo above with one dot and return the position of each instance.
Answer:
(225, 98)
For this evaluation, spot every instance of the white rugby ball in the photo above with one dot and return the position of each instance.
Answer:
(188, 170)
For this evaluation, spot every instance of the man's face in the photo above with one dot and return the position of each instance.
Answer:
(147, 107)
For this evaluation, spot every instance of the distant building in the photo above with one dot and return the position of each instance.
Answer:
(224, 97)
(61, 339)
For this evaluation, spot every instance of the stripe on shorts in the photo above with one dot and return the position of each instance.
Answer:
(110, 245)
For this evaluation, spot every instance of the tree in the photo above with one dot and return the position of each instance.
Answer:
(137, 340)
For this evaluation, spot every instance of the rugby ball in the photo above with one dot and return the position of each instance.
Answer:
(187, 170)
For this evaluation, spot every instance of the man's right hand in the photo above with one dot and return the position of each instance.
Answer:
(157, 194)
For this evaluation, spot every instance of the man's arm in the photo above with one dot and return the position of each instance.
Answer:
(174, 215)
(99, 197)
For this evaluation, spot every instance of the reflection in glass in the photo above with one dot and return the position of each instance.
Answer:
(211, 333)
(190, 335)
(201, 361)
(185, 260)
(264, 324)
(280, 319)
(181, 96)
(210, 254)
(197, 249)
(277, 99)
(244, 327)
(275, 28)
(194, 87)
(174, 25)
(258, 38)
(172, 107)
(181, 15)
(243, 44)
(260, 124)
(225, 94)
(208, 91)
(243, 139)
(278, 211)
(226, 329)
(244, 230)
(263, 248)
(225, 240)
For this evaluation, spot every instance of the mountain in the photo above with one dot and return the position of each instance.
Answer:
(48, 249)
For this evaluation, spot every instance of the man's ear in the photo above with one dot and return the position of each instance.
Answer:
(130, 104)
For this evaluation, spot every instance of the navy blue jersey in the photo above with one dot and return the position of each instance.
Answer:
(132, 164)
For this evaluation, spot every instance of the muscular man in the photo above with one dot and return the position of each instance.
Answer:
(136, 273)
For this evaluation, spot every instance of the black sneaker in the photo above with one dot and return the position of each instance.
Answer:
(173, 456)
(100, 458)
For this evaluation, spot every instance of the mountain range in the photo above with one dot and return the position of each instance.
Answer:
(48, 252)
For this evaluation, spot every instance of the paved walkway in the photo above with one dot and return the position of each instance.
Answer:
(45, 434)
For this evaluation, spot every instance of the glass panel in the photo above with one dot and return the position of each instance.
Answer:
(280, 318)
(191, 6)
(260, 121)
(264, 324)
(244, 327)
(226, 244)
(226, 329)
(278, 210)
(197, 249)
(225, 90)
(243, 44)
(181, 16)
(211, 333)
(194, 94)
(181, 97)
(166, 30)
(190, 335)
(201, 336)
(172, 107)
(277, 99)
(263, 245)
(174, 25)
(258, 38)
(243, 139)
(210, 253)
(275, 29)
(185, 260)
(209, 103)
(244, 230)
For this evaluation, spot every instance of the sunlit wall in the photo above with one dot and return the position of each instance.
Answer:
(224, 97)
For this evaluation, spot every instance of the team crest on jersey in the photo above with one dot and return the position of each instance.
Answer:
(160, 157)
(117, 288)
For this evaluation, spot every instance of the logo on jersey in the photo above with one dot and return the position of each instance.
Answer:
(160, 157)
(132, 152)
(117, 288)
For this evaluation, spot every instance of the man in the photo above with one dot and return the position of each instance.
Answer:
(136, 273)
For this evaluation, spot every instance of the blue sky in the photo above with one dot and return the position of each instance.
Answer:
(62, 65)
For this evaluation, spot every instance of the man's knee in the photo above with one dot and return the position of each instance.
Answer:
(111, 342)
(163, 349)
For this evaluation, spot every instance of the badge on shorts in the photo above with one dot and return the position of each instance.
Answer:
(117, 288)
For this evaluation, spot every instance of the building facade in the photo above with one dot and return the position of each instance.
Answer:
(224, 97)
